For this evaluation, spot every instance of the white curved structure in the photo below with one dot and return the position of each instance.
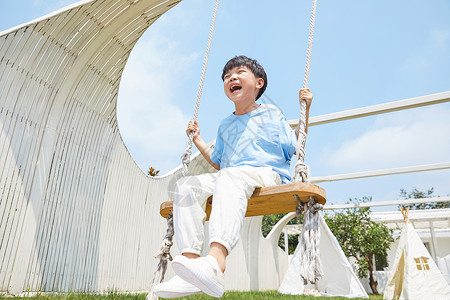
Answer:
(76, 212)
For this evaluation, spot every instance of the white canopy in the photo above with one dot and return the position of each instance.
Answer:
(415, 274)
(339, 278)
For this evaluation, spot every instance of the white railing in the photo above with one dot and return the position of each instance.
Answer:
(385, 172)
(376, 110)
(388, 203)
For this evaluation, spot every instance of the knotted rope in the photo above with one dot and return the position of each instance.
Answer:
(164, 256)
(311, 267)
(164, 253)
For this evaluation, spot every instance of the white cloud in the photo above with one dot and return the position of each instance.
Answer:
(429, 55)
(407, 138)
(152, 126)
(440, 37)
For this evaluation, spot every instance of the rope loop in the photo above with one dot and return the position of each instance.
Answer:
(164, 252)
(312, 206)
(301, 173)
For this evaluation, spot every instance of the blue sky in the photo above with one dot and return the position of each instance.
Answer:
(364, 53)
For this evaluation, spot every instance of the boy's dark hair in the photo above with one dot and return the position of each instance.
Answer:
(252, 64)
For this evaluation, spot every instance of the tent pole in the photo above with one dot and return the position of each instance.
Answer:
(434, 250)
(286, 241)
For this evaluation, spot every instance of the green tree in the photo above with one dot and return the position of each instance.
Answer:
(414, 193)
(361, 238)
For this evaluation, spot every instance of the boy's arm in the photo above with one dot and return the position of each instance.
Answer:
(200, 144)
(304, 94)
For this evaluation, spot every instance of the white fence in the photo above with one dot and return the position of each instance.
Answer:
(76, 212)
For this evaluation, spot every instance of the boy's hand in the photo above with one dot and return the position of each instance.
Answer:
(200, 144)
(305, 94)
(193, 126)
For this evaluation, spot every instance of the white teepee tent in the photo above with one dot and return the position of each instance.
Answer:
(339, 278)
(414, 274)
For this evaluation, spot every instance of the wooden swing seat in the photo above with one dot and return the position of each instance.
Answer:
(269, 200)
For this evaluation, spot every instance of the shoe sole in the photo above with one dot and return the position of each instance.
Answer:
(168, 295)
(175, 289)
(192, 277)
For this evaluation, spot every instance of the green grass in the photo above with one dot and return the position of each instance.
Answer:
(267, 295)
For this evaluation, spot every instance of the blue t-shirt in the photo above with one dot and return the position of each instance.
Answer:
(261, 138)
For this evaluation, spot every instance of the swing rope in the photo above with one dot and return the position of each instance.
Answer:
(301, 170)
(186, 156)
(164, 253)
(311, 266)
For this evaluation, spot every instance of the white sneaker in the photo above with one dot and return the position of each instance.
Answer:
(203, 272)
(175, 288)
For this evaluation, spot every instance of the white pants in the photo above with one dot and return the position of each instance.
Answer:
(231, 188)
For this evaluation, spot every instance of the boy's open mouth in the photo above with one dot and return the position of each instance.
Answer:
(235, 87)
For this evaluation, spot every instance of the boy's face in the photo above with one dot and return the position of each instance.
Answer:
(241, 85)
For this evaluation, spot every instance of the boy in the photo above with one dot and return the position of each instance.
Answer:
(253, 148)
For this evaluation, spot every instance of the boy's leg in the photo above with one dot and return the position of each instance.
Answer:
(232, 189)
(189, 198)
(189, 202)
(234, 186)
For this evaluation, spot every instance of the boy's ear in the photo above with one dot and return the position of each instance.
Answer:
(260, 83)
